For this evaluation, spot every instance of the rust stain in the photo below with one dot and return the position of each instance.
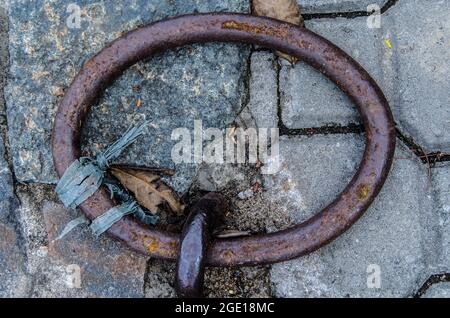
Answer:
(363, 192)
(256, 29)
(228, 255)
(154, 246)
(173, 245)
(151, 244)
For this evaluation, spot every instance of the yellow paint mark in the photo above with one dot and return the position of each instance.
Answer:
(388, 43)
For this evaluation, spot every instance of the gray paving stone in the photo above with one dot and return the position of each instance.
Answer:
(159, 282)
(332, 6)
(412, 74)
(3, 60)
(440, 290)
(13, 278)
(300, 155)
(79, 265)
(309, 99)
(197, 82)
(398, 233)
(441, 189)
(418, 30)
(262, 109)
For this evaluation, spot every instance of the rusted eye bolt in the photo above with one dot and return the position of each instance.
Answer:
(195, 240)
(309, 47)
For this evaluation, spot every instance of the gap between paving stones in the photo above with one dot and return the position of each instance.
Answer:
(349, 15)
(434, 279)
(430, 158)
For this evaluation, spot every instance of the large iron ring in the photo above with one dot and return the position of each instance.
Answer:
(301, 239)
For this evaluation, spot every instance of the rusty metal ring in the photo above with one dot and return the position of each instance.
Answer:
(102, 69)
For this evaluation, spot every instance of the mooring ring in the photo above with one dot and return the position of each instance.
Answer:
(301, 239)
(195, 239)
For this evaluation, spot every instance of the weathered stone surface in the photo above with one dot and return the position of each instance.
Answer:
(421, 83)
(333, 6)
(159, 282)
(306, 181)
(252, 212)
(79, 265)
(309, 99)
(261, 111)
(197, 82)
(440, 290)
(398, 233)
(239, 282)
(441, 189)
(106, 267)
(13, 279)
(219, 282)
(412, 73)
(3, 61)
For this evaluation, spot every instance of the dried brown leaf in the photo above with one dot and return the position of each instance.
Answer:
(284, 10)
(151, 170)
(148, 188)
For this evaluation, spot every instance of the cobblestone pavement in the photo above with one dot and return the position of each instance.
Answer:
(399, 248)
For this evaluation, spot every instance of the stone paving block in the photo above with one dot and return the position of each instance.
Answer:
(300, 155)
(79, 265)
(397, 235)
(13, 279)
(3, 60)
(412, 73)
(309, 99)
(262, 109)
(440, 290)
(419, 32)
(171, 90)
(333, 6)
(441, 188)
